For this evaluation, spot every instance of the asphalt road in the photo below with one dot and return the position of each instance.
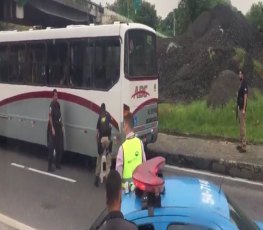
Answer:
(71, 202)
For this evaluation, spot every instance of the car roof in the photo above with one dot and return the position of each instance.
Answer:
(184, 192)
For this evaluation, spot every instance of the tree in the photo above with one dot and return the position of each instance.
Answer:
(146, 13)
(123, 7)
(166, 26)
(189, 10)
(255, 15)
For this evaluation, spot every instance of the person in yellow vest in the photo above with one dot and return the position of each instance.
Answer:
(131, 152)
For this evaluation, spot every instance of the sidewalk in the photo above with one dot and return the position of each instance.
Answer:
(210, 155)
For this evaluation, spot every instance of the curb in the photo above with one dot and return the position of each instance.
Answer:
(224, 167)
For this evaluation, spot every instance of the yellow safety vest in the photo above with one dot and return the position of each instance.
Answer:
(132, 156)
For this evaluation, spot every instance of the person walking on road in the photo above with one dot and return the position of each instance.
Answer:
(104, 141)
(55, 134)
(115, 219)
(242, 106)
(131, 152)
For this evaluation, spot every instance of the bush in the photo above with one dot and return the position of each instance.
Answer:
(258, 68)
(240, 57)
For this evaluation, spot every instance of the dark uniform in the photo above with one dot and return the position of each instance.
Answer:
(104, 143)
(104, 129)
(242, 116)
(115, 221)
(243, 89)
(55, 142)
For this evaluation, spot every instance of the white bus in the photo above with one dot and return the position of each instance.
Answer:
(88, 65)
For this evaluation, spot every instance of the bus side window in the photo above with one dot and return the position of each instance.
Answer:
(88, 64)
(57, 60)
(107, 62)
(3, 64)
(27, 69)
(39, 71)
(95, 63)
(100, 71)
(76, 67)
(113, 64)
(16, 59)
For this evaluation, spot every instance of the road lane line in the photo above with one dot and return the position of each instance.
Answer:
(52, 175)
(14, 223)
(18, 165)
(213, 175)
(44, 173)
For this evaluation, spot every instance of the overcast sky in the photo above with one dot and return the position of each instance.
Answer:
(163, 7)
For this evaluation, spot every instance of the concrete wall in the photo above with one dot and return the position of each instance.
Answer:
(109, 17)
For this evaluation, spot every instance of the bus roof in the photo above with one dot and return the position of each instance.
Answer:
(72, 31)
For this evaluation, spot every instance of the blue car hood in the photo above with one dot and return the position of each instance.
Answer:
(260, 225)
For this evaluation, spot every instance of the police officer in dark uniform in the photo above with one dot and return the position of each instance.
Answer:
(55, 133)
(242, 107)
(103, 140)
(103, 126)
(114, 219)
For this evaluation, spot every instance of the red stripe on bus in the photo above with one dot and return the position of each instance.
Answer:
(151, 101)
(61, 95)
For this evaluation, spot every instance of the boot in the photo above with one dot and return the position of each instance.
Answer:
(50, 168)
(96, 181)
(58, 166)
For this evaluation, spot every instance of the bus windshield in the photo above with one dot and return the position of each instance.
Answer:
(140, 54)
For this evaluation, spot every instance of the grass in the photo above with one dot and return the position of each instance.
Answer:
(197, 119)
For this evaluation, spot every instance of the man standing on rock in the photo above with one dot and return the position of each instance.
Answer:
(242, 106)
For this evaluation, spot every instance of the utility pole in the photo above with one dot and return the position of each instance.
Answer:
(174, 21)
(128, 6)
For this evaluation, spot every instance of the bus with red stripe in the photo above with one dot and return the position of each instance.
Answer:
(88, 65)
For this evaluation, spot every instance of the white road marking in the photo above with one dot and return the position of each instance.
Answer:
(44, 173)
(18, 165)
(213, 175)
(14, 223)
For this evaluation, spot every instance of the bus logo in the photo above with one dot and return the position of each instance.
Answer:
(140, 92)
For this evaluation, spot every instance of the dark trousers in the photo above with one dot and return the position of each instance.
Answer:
(242, 120)
(55, 143)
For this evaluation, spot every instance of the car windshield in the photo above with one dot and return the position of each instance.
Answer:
(239, 217)
(140, 54)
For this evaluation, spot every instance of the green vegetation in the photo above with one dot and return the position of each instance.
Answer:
(255, 15)
(240, 56)
(258, 67)
(145, 12)
(176, 22)
(197, 119)
(11, 26)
